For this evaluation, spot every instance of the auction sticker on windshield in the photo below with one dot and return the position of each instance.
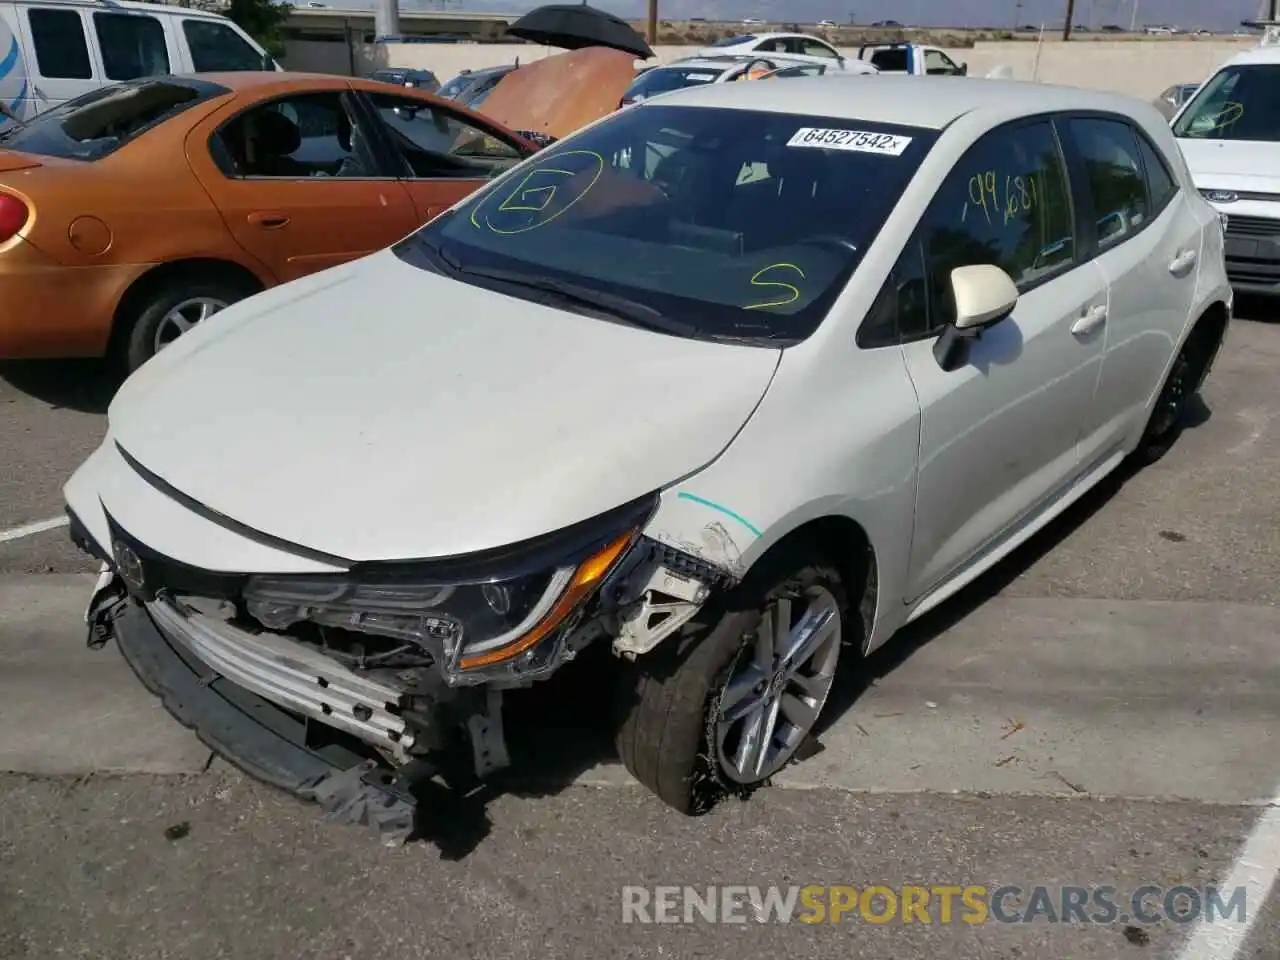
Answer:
(860, 141)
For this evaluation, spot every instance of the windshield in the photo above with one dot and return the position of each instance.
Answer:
(455, 86)
(1237, 103)
(734, 41)
(99, 122)
(653, 82)
(736, 224)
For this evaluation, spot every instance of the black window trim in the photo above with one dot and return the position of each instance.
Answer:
(918, 239)
(391, 158)
(1156, 211)
(349, 100)
(84, 37)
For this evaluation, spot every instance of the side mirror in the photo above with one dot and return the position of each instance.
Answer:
(964, 69)
(268, 63)
(984, 295)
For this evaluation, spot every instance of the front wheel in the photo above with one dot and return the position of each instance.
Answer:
(732, 701)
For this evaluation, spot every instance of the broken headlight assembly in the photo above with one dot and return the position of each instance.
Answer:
(477, 616)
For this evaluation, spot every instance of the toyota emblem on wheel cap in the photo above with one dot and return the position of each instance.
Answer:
(129, 565)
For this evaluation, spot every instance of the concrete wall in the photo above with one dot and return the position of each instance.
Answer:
(1138, 68)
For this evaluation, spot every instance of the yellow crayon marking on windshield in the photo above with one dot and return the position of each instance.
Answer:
(757, 282)
(512, 202)
(1231, 112)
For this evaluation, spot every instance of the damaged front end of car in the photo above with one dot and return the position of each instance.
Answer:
(355, 688)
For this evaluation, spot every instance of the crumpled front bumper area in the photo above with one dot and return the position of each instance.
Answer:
(267, 742)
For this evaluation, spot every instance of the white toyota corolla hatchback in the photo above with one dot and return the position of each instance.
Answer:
(736, 382)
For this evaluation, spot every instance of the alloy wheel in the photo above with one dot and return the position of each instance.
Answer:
(778, 686)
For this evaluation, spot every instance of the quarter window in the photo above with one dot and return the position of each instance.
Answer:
(132, 45)
(60, 47)
(1006, 203)
(216, 47)
(1114, 170)
(1160, 183)
(436, 144)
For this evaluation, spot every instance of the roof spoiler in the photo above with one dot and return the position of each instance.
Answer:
(1270, 31)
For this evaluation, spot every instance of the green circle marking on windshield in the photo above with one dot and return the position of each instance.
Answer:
(545, 192)
(792, 292)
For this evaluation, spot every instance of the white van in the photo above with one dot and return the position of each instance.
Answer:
(54, 50)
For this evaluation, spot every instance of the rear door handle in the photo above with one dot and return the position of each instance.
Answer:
(1093, 318)
(1183, 262)
(269, 220)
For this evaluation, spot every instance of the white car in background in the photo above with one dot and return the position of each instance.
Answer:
(695, 71)
(736, 382)
(1229, 132)
(797, 47)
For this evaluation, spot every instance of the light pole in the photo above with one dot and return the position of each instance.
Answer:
(653, 22)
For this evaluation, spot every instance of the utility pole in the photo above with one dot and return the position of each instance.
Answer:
(653, 22)
(1133, 20)
(1071, 13)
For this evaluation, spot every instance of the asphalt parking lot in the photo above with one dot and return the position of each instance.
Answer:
(1100, 710)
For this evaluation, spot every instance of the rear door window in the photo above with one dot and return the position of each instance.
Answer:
(216, 47)
(62, 53)
(133, 45)
(1110, 154)
(102, 121)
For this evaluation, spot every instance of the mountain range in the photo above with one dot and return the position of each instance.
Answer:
(1186, 14)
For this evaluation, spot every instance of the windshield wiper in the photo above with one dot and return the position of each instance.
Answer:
(622, 308)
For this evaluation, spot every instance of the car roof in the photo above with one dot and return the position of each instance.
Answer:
(251, 79)
(928, 102)
(1261, 55)
(106, 6)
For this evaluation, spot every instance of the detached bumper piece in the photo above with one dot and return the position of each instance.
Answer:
(268, 743)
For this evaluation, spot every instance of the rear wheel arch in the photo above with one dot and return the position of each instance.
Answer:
(143, 290)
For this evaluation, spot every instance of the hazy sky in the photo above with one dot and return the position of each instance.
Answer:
(1189, 14)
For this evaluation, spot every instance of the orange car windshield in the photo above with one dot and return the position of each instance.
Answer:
(96, 124)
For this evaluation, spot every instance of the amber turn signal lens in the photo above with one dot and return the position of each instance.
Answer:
(585, 580)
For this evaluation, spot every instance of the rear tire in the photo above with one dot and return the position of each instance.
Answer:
(676, 736)
(1168, 417)
(160, 315)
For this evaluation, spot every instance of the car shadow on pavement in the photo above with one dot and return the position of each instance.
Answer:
(86, 386)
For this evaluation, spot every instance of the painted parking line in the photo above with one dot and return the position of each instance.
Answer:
(31, 529)
(1255, 869)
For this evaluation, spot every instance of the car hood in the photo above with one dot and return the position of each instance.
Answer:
(1233, 164)
(377, 411)
(560, 94)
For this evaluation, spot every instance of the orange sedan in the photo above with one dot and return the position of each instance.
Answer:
(137, 210)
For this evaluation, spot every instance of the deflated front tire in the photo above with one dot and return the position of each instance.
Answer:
(728, 702)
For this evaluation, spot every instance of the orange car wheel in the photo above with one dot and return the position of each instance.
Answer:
(158, 314)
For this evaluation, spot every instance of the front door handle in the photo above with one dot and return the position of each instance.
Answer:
(268, 219)
(1092, 318)
(1180, 265)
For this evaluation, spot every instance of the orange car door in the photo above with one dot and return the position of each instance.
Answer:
(299, 182)
(443, 154)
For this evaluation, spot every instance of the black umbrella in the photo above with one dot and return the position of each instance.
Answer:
(576, 25)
